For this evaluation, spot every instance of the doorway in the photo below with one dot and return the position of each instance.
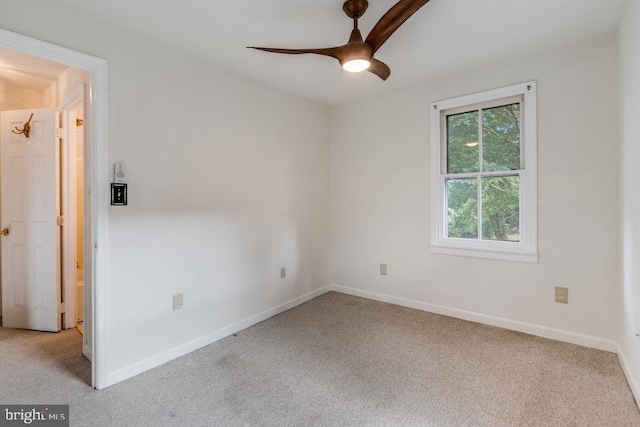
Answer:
(42, 195)
(95, 164)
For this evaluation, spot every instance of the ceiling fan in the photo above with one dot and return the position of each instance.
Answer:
(357, 54)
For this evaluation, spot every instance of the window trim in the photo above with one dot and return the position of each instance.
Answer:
(526, 250)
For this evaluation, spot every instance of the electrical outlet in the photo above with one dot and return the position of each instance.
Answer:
(178, 302)
(283, 272)
(562, 295)
(383, 269)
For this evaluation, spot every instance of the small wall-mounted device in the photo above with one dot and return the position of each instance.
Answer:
(118, 187)
(118, 194)
(119, 173)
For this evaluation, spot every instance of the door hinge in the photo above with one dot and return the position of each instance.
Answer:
(59, 133)
(62, 308)
(60, 220)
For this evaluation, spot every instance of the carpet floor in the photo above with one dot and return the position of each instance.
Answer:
(337, 360)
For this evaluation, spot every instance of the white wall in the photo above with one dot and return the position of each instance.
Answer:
(630, 194)
(228, 181)
(17, 98)
(57, 95)
(380, 201)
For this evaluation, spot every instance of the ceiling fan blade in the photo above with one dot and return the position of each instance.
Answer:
(392, 20)
(329, 51)
(380, 69)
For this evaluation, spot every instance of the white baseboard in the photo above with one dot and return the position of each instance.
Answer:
(542, 331)
(528, 328)
(159, 359)
(633, 385)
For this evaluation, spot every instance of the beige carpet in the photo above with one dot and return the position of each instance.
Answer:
(336, 360)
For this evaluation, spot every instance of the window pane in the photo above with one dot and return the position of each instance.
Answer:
(463, 152)
(501, 208)
(501, 138)
(462, 209)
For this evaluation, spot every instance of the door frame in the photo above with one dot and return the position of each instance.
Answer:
(96, 142)
(69, 205)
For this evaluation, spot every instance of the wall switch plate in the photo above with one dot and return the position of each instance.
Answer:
(283, 272)
(562, 295)
(178, 302)
(383, 269)
(118, 194)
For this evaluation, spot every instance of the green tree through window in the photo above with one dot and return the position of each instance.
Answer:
(483, 164)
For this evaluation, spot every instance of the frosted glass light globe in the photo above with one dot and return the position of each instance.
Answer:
(356, 65)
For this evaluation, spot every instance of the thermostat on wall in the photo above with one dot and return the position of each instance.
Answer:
(119, 174)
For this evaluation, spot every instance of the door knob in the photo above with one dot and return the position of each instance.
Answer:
(5, 232)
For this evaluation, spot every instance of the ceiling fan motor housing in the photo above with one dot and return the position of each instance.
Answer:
(355, 50)
(355, 8)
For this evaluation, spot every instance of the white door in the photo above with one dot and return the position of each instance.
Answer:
(29, 206)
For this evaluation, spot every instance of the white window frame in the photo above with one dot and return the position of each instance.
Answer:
(526, 250)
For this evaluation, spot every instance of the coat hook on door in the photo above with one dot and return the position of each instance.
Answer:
(25, 129)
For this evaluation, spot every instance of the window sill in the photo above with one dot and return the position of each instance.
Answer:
(529, 257)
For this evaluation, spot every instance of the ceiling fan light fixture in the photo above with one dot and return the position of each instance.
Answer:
(356, 65)
(358, 54)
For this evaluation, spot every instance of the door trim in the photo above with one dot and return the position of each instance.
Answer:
(97, 163)
(69, 206)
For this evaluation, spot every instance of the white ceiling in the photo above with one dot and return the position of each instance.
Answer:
(443, 37)
(28, 72)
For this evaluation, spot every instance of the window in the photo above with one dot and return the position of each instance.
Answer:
(484, 180)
